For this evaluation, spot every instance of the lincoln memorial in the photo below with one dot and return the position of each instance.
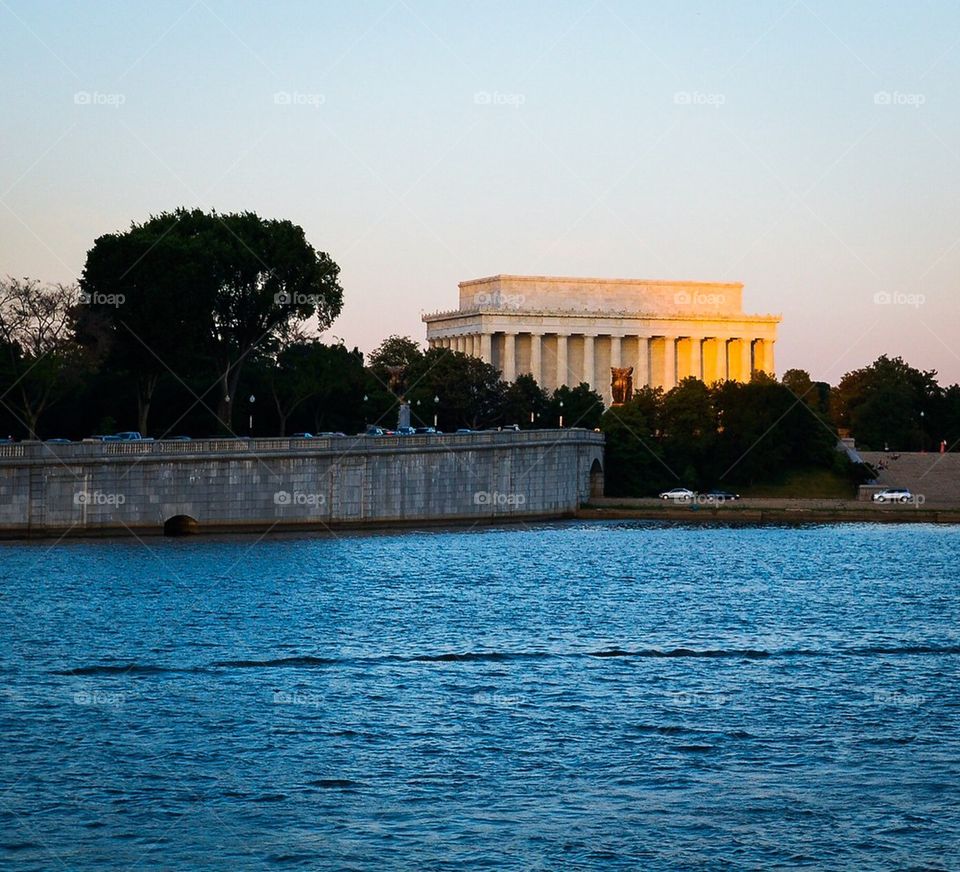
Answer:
(572, 330)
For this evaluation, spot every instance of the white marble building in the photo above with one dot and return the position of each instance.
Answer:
(573, 330)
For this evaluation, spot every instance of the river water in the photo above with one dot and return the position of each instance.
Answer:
(568, 696)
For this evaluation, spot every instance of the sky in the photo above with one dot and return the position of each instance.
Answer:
(809, 149)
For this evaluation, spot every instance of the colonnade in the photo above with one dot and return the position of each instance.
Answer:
(659, 361)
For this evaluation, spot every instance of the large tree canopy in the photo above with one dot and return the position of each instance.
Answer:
(189, 284)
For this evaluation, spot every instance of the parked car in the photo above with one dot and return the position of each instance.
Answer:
(466, 430)
(127, 436)
(678, 493)
(57, 441)
(720, 496)
(427, 431)
(406, 431)
(302, 436)
(514, 427)
(374, 431)
(181, 439)
(893, 495)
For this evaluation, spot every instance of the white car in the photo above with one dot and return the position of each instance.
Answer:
(678, 493)
(893, 495)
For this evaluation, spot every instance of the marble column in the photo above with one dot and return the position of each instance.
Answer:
(669, 362)
(696, 357)
(641, 368)
(616, 351)
(746, 359)
(563, 377)
(486, 347)
(509, 356)
(768, 365)
(721, 371)
(536, 357)
(589, 366)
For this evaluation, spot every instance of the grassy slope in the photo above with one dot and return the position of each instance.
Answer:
(807, 484)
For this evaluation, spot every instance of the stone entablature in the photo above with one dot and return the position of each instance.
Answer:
(568, 331)
(566, 294)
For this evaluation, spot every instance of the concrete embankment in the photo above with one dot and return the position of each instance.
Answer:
(261, 485)
(770, 511)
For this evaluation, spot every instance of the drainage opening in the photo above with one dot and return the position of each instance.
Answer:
(180, 525)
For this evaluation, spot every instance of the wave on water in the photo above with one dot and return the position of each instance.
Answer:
(125, 669)
(748, 653)
(279, 663)
(906, 649)
(307, 661)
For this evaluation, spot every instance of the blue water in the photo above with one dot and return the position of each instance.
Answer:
(574, 696)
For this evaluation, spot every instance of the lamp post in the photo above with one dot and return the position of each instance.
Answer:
(561, 414)
(923, 440)
(436, 409)
(253, 399)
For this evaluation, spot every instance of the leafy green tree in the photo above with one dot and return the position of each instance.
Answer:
(228, 287)
(689, 428)
(635, 464)
(148, 296)
(881, 404)
(580, 407)
(471, 393)
(526, 403)
(396, 351)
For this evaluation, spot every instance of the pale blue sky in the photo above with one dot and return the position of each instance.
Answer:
(784, 170)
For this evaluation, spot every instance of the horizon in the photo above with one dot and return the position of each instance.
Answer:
(804, 151)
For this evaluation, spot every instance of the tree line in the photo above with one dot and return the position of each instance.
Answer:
(208, 324)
